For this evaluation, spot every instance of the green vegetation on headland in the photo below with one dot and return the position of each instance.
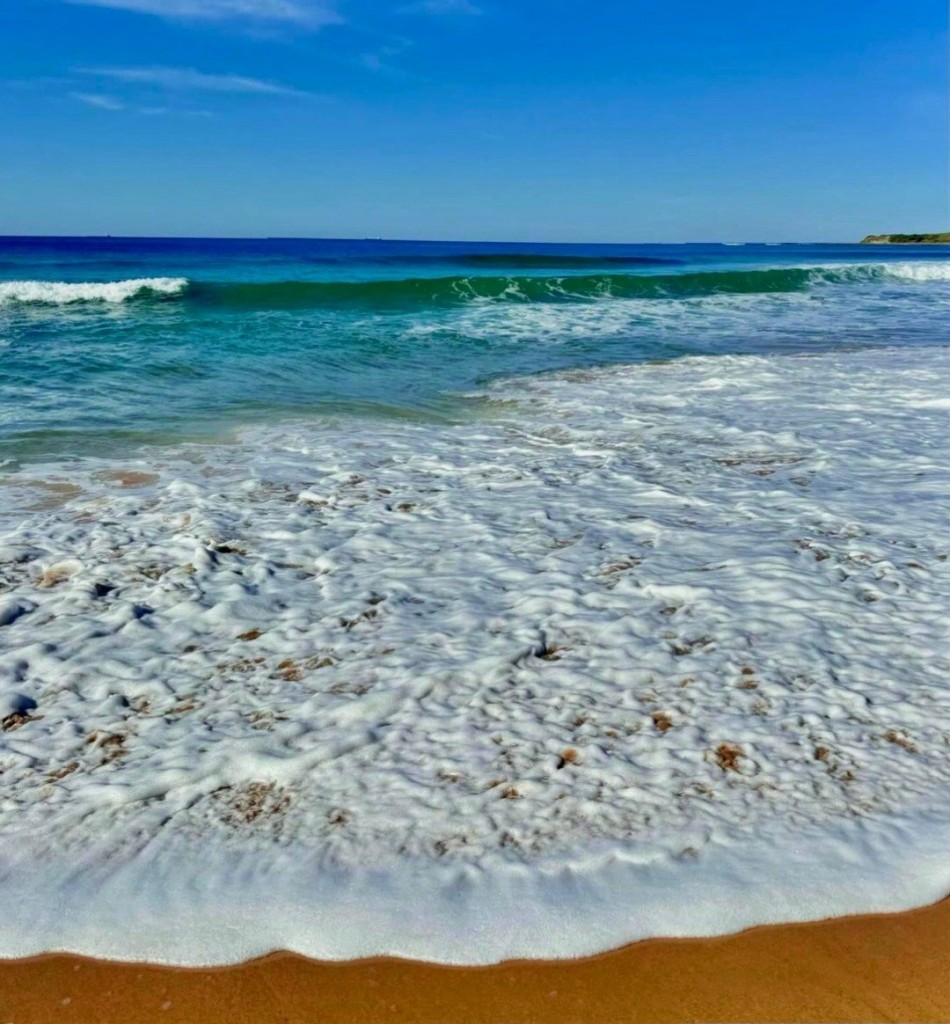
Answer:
(938, 238)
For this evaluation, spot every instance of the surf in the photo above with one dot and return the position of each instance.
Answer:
(63, 293)
(464, 289)
(419, 292)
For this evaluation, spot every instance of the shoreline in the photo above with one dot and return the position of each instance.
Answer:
(861, 968)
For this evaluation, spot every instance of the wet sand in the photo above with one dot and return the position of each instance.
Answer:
(891, 967)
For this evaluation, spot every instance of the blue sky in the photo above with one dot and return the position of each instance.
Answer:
(618, 120)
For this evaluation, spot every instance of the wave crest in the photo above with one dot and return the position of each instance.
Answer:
(918, 271)
(411, 293)
(62, 293)
(408, 293)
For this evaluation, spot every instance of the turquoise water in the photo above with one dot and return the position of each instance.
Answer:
(107, 344)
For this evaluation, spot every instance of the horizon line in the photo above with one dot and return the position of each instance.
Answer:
(379, 238)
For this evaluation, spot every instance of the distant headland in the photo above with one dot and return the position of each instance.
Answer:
(938, 238)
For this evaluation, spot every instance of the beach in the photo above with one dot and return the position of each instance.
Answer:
(467, 621)
(474, 513)
(884, 968)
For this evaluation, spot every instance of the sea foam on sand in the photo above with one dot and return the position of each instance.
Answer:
(654, 650)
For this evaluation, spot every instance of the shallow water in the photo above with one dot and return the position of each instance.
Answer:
(426, 651)
(111, 343)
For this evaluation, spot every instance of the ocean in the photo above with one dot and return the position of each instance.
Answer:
(467, 601)
(112, 343)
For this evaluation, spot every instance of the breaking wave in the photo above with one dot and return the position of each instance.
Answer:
(63, 293)
(421, 292)
(456, 290)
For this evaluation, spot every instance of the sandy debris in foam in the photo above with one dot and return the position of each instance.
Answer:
(658, 605)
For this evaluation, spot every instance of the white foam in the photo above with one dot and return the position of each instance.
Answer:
(60, 293)
(647, 651)
(920, 271)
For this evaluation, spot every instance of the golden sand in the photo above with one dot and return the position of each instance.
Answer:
(888, 967)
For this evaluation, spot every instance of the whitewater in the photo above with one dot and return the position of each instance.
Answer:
(59, 293)
(599, 647)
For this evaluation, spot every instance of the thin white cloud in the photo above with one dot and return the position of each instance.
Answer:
(95, 99)
(191, 80)
(312, 14)
(441, 7)
(101, 101)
